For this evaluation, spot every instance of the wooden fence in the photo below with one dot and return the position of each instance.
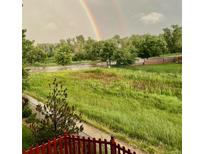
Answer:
(78, 145)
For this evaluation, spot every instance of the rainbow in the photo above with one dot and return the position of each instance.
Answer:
(91, 19)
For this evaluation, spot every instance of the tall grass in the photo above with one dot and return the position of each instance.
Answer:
(27, 137)
(144, 106)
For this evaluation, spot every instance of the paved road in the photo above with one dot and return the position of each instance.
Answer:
(89, 131)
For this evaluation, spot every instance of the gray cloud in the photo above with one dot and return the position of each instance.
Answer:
(151, 18)
(50, 21)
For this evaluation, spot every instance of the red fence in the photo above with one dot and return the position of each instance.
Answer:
(76, 145)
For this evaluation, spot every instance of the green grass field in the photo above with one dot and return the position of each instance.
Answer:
(27, 138)
(139, 104)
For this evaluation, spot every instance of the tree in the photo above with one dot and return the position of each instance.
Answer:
(30, 53)
(92, 48)
(25, 78)
(63, 54)
(173, 38)
(36, 54)
(58, 116)
(151, 46)
(108, 48)
(27, 46)
(123, 56)
(48, 48)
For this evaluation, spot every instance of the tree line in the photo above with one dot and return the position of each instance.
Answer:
(121, 50)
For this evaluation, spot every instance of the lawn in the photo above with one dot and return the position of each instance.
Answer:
(139, 104)
(159, 68)
(27, 137)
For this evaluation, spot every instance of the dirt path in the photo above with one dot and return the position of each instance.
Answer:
(89, 131)
(68, 67)
(150, 61)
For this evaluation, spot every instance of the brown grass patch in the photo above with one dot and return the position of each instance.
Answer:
(101, 76)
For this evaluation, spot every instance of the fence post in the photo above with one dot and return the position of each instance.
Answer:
(60, 145)
(100, 146)
(118, 148)
(94, 146)
(78, 138)
(49, 147)
(43, 149)
(54, 146)
(105, 146)
(37, 149)
(89, 151)
(65, 143)
(73, 139)
(84, 150)
(123, 150)
(112, 145)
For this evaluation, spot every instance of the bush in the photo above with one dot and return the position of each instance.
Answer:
(31, 118)
(63, 54)
(26, 112)
(124, 57)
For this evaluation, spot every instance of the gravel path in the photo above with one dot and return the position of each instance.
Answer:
(89, 131)
(68, 67)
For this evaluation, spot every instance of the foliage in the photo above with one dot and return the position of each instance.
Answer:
(92, 49)
(151, 46)
(31, 118)
(26, 112)
(27, 137)
(48, 48)
(107, 51)
(120, 50)
(27, 46)
(63, 54)
(123, 56)
(25, 77)
(31, 54)
(58, 116)
(141, 103)
(173, 38)
(35, 55)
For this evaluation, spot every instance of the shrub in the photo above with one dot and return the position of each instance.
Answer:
(26, 112)
(31, 118)
(63, 54)
(58, 116)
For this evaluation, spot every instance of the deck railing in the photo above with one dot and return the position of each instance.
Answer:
(78, 145)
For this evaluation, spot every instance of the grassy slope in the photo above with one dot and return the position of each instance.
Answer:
(27, 138)
(143, 104)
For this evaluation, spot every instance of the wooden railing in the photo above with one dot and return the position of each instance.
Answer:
(78, 145)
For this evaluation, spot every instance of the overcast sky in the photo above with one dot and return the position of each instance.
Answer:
(52, 20)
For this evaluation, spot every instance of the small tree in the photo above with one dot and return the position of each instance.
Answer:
(63, 54)
(107, 51)
(57, 115)
(123, 56)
